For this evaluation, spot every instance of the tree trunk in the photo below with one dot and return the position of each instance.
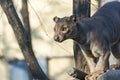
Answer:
(23, 41)
(81, 8)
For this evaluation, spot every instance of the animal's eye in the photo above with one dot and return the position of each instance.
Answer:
(65, 29)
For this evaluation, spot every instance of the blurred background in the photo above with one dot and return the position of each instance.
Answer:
(54, 58)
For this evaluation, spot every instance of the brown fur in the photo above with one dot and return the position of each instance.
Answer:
(97, 36)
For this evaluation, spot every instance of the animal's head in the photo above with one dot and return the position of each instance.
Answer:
(64, 28)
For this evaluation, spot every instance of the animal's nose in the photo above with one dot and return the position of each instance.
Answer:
(56, 38)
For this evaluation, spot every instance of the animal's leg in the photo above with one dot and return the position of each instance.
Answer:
(101, 66)
(103, 62)
(116, 53)
(90, 60)
(101, 50)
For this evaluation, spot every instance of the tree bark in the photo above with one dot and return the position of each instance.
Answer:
(23, 41)
(82, 9)
(25, 18)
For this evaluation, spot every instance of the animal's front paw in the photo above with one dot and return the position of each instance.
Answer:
(115, 66)
(94, 75)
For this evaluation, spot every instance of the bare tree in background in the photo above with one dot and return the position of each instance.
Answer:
(22, 34)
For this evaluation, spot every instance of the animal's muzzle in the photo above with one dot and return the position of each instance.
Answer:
(58, 38)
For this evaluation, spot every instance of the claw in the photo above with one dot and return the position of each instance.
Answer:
(115, 66)
(94, 75)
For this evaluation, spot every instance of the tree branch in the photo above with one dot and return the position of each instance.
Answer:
(25, 18)
(26, 23)
(21, 36)
(77, 74)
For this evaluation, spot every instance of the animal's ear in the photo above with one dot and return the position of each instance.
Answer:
(73, 18)
(56, 18)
